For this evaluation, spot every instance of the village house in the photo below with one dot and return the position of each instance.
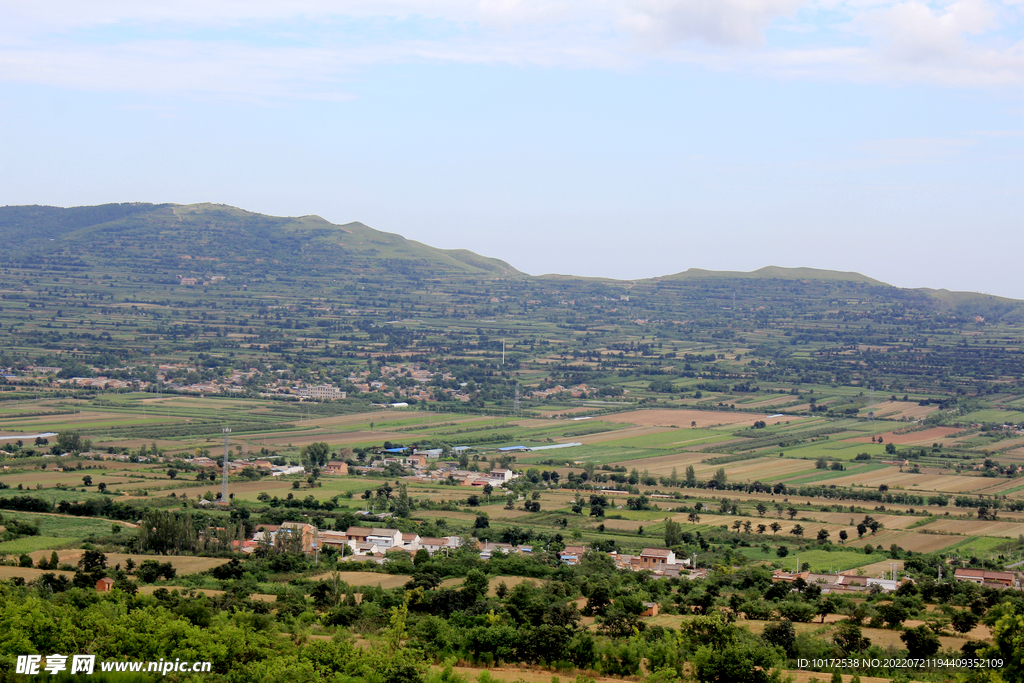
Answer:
(987, 577)
(572, 554)
(411, 542)
(361, 548)
(358, 533)
(502, 475)
(656, 558)
(336, 467)
(385, 539)
(332, 539)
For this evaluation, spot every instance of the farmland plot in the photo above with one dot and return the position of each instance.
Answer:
(893, 478)
(976, 527)
(685, 418)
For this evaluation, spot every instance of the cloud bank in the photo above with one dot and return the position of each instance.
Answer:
(309, 48)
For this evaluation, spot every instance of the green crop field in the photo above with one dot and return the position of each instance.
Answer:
(29, 544)
(825, 475)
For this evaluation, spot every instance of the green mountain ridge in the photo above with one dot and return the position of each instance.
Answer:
(776, 272)
(217, 239)
(173, 233)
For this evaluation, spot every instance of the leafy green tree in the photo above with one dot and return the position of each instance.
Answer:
(893, 614)
(847, 635)
(963, 621)
(720, 477)
(828, 605)
(69, 442)
(1007, 641)
(740, 662)
(315, 455)
(781, 634)
(92, 561)
(475, 586)
(921, 642)
(673, 533)
(598, 599)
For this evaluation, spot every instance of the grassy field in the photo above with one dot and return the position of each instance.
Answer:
(28, 544)
(65, 525)
(826, 475)
(821, 561)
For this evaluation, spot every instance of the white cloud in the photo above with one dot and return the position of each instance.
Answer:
(916, 32)
(306, 48)
(222, 70)
(730, 22)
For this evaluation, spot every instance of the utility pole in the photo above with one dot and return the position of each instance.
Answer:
(224, 478)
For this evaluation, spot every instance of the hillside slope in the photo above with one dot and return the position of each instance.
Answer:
(166, 235)
(167, 242)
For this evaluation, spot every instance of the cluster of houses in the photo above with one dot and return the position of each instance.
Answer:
(373, 543)
(850, 583)
(427, 468)
(361, 542)
(989, 578)
(496, 478)
(425, 384)
(577, 391)
(195, 281)
(236, 466)
(662, 562)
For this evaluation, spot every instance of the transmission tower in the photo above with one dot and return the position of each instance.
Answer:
(515, 402)
(224, 478)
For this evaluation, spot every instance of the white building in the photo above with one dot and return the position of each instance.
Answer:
(385, 539)
(322, 392)
(502, 474)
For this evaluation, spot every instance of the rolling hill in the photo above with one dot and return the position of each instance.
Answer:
(166, 241)
(166, 235)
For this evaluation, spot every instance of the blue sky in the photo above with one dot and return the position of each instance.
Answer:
(622, 139)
